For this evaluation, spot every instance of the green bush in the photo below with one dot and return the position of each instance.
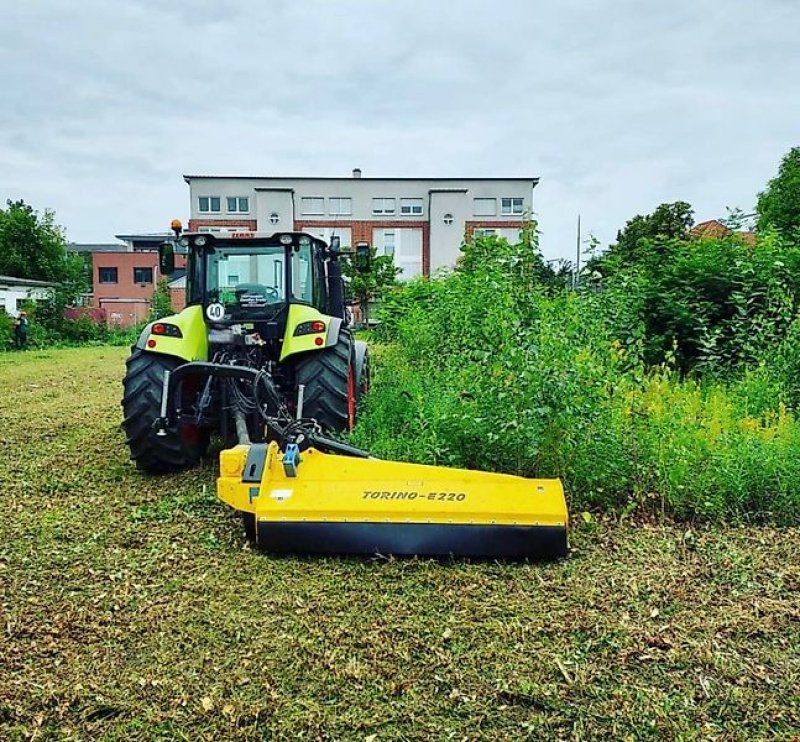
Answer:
(716, 304)
(485, 369)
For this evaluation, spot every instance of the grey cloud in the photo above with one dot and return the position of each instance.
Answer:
(617, 106)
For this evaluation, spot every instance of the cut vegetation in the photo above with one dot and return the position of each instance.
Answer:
(132, 609)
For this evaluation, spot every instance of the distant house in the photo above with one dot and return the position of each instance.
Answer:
(715, 229)
(15, 291)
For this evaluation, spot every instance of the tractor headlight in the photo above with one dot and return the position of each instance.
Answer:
(286, 239)
(305, 240)
(200, 241)
(183, 242)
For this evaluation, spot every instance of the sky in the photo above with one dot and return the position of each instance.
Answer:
(616, 106)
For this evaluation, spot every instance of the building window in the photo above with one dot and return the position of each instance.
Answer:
(404, 246)
(314, 205)
(410, 206)
(511, 206)
(484, 232)
(274, 218)
(107, 275)
(448, 218)
(388, 243)
(485, 207)
(340, 206)
(384, 206)
(209, 204)
(238, 205)
(142, 275)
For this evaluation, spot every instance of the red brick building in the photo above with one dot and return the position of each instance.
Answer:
(125, 276)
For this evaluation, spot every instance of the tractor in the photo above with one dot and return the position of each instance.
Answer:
(264, 336)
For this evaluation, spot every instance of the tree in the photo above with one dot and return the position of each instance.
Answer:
(32, 246)
(642, 235)
(162, 300)
(779, 204)
(368, 285)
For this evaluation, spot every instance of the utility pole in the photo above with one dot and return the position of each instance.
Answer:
(578, 254)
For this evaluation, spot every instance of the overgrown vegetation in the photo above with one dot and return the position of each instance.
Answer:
(669, 387)
(132, 609)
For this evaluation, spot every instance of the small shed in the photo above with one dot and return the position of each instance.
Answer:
(15, 291)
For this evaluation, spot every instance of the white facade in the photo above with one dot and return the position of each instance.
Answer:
(422, 222)
(15, 291)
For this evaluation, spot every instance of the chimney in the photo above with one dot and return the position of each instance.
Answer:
(356, 172)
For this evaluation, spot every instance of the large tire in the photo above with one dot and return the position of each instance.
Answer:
(141, 405)
(330, 388)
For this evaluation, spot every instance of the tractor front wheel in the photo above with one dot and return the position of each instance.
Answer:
(141, 405)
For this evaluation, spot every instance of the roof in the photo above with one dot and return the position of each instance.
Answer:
(711, 228)
(14, 281)
(187, 178)
(97, 247)
(715, 229)
(144, 236)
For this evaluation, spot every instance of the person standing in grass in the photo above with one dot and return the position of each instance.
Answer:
(21, 330)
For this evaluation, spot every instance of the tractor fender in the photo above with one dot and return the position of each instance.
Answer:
(360, 357)
(190, 345)
(141, 343)
(332, 337)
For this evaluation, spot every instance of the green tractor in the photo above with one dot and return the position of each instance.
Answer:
(264, 335)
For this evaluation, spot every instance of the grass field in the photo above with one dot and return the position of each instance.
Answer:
(132, 609)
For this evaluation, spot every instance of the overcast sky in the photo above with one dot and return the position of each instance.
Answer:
(616, 105)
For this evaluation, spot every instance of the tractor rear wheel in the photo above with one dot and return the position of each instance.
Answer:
(330, 385)
(141, 405)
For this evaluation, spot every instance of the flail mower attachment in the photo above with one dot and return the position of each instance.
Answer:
(308, 494)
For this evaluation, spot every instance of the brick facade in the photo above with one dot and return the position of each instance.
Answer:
(178, 298)
(127, 302)
(361, 231)
(247, 225)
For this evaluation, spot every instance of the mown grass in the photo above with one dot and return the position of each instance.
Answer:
(132, 609)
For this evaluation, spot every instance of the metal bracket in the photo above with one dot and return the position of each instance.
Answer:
(291, 460)
(254, 465)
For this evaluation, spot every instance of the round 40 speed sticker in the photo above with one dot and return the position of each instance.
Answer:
(215, 312)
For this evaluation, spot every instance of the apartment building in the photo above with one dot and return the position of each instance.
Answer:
(421, 222)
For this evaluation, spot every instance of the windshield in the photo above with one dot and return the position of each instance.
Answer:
(243, 279)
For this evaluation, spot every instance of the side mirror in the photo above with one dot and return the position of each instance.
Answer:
(363, 257)
(166, 258)
(336, 243)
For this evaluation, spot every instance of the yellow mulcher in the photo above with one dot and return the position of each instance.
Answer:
(302, 492)
(263, 357)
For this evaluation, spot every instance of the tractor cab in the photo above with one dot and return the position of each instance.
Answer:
(253, 277)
